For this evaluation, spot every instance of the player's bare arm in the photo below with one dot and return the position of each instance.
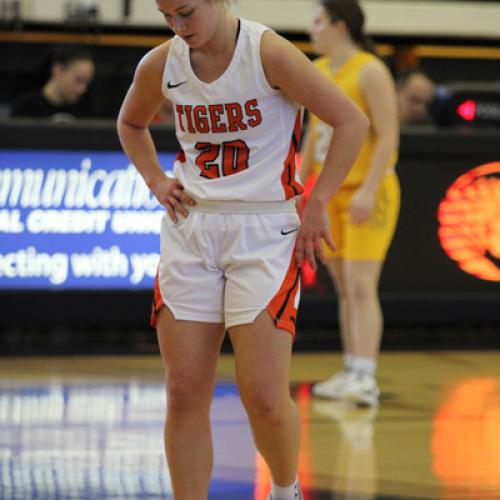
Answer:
(379, 91)
(289, 69)
(141, 103)
(377, 87)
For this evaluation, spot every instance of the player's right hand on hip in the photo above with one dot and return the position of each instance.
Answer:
(171, 195)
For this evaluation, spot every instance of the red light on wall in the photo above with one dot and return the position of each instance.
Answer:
(467, 110)
(469, 222)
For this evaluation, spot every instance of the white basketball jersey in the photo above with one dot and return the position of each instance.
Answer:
(238, 135)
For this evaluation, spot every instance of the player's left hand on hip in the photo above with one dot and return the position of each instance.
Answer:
(309, 244)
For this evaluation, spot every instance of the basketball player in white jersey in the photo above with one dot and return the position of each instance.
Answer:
(232, 243)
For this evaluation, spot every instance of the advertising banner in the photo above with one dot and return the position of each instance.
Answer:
(77, 220)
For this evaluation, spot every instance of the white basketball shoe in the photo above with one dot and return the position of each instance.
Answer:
(361, 389)
(333, 387)
(297, 493)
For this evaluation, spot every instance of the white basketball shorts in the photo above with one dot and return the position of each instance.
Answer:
(218, 266)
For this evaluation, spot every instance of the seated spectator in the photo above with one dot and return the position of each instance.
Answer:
(71, 71)
(415, 94)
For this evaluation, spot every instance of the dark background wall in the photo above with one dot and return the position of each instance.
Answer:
(421, 285)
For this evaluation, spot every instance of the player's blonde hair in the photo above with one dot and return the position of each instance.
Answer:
(229, 4)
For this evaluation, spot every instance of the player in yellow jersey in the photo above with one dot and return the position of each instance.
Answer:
(363, 214)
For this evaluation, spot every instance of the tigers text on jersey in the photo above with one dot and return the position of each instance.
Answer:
(238, 135)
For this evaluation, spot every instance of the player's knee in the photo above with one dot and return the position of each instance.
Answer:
(185, 395)
(361, 290)
(264, 406)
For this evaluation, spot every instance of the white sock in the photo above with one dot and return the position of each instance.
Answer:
(291, 492)
(364, 365)
(348, 362)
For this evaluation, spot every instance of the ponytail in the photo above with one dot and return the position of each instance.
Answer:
(367, 43)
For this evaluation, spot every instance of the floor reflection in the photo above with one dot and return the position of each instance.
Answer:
(354, 457)
(96, 441)
(434, 436)
(466, 440)
(104, 441)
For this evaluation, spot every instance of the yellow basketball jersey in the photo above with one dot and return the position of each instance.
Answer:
(347, 78)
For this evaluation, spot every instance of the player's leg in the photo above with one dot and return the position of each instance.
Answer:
(366, 247)
(333, 386)
(365, 320)
(365, 251)
(261, 298)
(189, 316)
(335, 267)
(189, 351)
(262, 356)
(365, 330)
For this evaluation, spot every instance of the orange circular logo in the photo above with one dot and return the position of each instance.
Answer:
(469, 222)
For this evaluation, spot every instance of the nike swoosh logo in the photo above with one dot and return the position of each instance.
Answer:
(290, 231)
(171, 85)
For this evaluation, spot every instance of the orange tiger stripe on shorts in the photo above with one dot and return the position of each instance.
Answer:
(157, 300)
(282, 306)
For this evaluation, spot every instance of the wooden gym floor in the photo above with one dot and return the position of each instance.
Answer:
(91, 428)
